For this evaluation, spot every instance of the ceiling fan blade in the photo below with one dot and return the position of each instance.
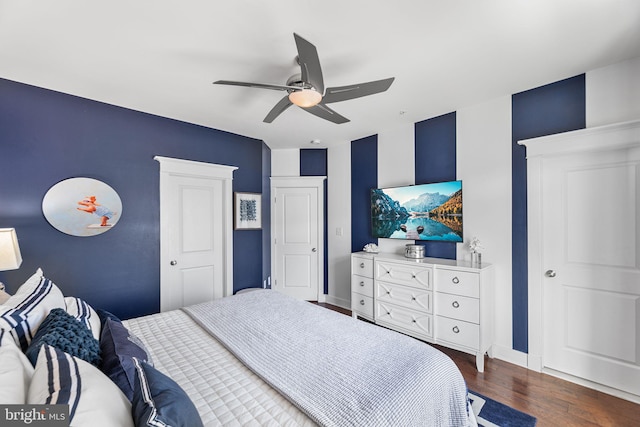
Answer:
(256, 85)
(326, 113)
(309, 63)
(282, 105)
(343, 93)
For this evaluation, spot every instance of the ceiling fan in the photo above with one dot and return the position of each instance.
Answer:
(307, 90)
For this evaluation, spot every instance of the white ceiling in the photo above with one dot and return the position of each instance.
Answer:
(161, 56)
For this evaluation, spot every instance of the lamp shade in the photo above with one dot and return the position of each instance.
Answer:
(305, 98)
(10, 258)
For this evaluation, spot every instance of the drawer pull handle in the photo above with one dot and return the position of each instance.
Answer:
(455, 280)
(362, 265)
(361, 302)
(361, 283)
(414, 321)
(455, 304)
(456, 330)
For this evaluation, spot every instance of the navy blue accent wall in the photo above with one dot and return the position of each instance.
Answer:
(47, 136)
(313, 162)
(435, 161)
(554, 108)
(364, 177)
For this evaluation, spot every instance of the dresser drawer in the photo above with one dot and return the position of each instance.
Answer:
(362, 266)
(414, 298)
(416, 323)
(362, 304)
(458, 307)
(458, 282)
(458, 332)
(417, 276)
(362, 285)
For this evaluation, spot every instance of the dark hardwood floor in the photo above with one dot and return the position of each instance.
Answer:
(554, 402)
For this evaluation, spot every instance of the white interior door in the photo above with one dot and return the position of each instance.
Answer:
(297, 243)
(591, 266)
(195, 203)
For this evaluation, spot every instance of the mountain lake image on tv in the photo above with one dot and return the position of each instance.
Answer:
(418, 212)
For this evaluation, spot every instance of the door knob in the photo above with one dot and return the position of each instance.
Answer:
(173, 262)
(550, 273)
(313, 250)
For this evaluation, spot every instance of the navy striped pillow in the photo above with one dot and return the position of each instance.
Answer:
(84, 313)
(61, 379)
(23, 312)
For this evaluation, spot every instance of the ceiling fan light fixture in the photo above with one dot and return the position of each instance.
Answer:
(305, 98)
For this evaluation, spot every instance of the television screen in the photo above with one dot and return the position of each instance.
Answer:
(418, 212)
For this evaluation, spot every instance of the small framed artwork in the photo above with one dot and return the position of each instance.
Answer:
(248, 211)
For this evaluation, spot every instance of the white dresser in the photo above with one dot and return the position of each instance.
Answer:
(362, 285)
(441, 301)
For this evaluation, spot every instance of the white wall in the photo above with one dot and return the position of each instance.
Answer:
(396, 166)
(483, 163)
(339, 224)
(613, 93)
(285, 162)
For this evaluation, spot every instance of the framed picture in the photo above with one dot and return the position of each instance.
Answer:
(82, 207)
(248, 211)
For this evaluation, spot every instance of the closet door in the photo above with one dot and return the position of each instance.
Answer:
(591, 239)
(297, 227)
(583, 193)
(196, 244)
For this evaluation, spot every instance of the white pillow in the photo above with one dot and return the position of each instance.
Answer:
(83, 312)
(93, 399)
(23, 312)
(15, 372)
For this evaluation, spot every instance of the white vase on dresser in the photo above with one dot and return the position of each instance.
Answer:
(441, 301)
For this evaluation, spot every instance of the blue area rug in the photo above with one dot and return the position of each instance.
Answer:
(490, 413)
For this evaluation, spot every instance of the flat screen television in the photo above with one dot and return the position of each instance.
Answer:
(418, 212)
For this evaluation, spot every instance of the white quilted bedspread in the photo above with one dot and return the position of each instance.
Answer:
(225, 392)
(339, 371)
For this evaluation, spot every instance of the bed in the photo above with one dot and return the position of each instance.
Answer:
(259, 358)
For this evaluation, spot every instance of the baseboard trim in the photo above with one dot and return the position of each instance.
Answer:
(595, 386)
(510, 355)
(534, 363)
(340, 302)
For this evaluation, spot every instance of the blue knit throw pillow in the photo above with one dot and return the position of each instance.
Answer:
(65, 332)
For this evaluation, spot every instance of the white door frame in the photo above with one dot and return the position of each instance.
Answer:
(296, 182)
(602, 138)
(188, 168)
